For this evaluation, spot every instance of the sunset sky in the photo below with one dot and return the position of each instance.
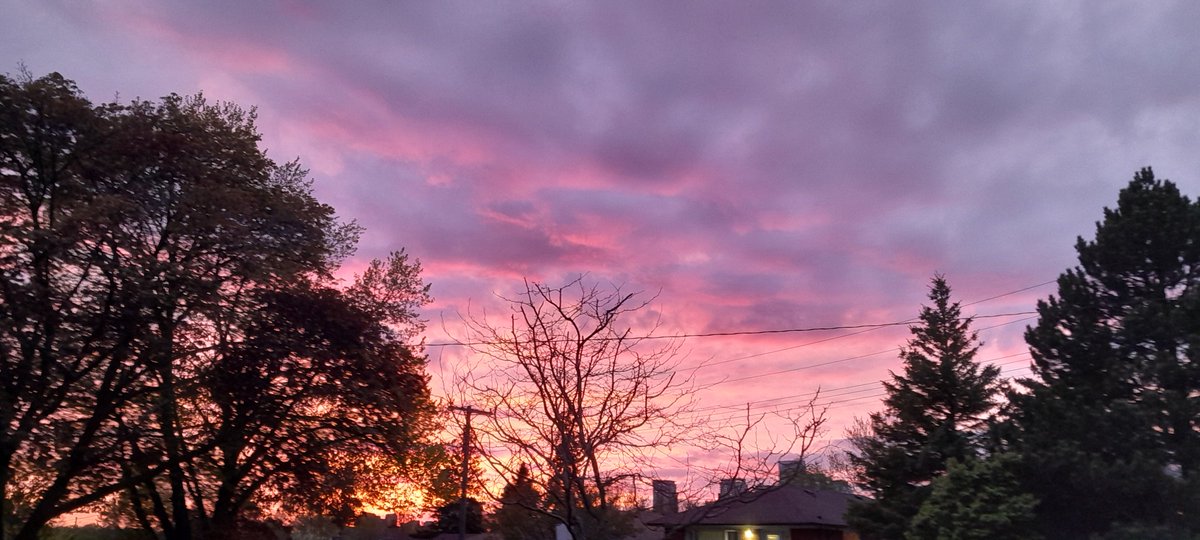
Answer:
(757, 165)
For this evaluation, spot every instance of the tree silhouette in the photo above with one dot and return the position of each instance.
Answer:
(934, 412)
(575, 397)
(522, 514)
(1112, 407)
(170, 332)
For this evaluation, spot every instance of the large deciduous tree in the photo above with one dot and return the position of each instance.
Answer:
(576, 394)
(1109, 426)
(934, 412)
(169, 327)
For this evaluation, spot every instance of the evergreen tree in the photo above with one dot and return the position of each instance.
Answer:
(976, 500)
(1109, 427)
(934, 412)
(449, 518)
(521, 516)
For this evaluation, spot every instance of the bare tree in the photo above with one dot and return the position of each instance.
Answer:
(577, 394)
(752, 451)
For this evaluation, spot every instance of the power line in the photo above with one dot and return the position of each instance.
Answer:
(1010, 293)
(733, 411)
(863, 331)
(733, 414)
(830, 362)
(737, 333)
(825, 391)
(863, 327)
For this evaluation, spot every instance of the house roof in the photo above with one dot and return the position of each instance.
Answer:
(782, 505)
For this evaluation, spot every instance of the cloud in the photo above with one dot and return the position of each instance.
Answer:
(763, 165)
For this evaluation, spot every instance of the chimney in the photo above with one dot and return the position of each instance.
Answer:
(731, 487)
(791, 470)
(666, 500)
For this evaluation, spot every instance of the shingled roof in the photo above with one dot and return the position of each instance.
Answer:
(782, 505)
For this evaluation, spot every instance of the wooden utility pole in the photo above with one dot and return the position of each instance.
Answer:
(466, 465)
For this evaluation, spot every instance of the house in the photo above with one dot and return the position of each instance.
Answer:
(781, 512)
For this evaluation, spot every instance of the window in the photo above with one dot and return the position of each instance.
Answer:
(731, 535)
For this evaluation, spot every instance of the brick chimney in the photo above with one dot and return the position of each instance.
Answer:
(792, 471)
(666, 500)
(731, 487)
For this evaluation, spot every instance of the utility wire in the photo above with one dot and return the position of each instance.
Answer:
(863, 327)
(831, 362)
(737, 333)
(826, 391)
(865, 330)
(732, 415)
(727, 412)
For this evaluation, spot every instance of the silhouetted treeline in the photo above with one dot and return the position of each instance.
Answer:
(1102, 441)
(173, 350)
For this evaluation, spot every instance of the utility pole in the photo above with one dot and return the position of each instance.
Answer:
(466, 467)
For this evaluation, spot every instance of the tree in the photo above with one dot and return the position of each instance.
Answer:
(449, 516)
(1113, 405)
(799, 473)
(155, 267)
(67, 320)
(976, 500)
(934, 412)
(522, 514)
(576, 396)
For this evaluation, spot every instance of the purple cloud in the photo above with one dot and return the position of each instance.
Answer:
(758, 166)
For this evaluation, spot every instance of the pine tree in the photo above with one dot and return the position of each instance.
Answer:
(519, 516)
(934, 412)
(1114, 407)
(976, 500)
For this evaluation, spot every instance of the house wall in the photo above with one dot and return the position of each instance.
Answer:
(768, 533)
(816, 534)
(718, 533)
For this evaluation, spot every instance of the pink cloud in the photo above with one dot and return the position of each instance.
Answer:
(779, 165)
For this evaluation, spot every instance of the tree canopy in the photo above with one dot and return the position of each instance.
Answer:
(522, 514)
(976, 500)
(935, 411)
(1114, 404)
(170, 331)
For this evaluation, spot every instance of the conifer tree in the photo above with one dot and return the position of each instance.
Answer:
(934, 412)
(976, 500)
(1109, 427)
(520, 516)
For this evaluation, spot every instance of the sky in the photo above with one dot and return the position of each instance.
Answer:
(750, 165)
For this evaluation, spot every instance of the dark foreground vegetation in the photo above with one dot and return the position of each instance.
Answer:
(1101, 442)
(174, 351)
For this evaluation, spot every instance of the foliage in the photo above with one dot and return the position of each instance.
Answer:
(365, 527)
(169, 326)
(934, 412)
(813, 477)
(449, 516)
(1112, 406)
(314, 528)
(575, 395)
(1139, 531)
(976, 500)
(91, 532)
(521, 515)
